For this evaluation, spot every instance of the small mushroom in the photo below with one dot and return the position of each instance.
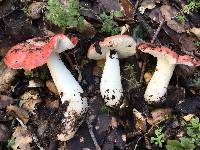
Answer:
(166, 62)
(37, 51)
(112, 48)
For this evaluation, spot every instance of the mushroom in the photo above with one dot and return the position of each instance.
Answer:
(37, 51)
(111, 48)
(166, 62)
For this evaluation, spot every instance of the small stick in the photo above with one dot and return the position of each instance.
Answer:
(136, 6)
(90, 127)
(144, 63)
(157, 31)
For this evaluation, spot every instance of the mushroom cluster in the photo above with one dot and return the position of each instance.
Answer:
(38, 51)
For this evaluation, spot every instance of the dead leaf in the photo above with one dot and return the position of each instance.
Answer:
(147, 77)
(127, 9)
(52, 87)
(108, 5)
(4, 133)
(23, 139)
(159, 115)
(169, 13)
(5, 101)
(140, 121)
(29, 99)
(147, 4)
(188, 117)
(6, 77)
(196, 31)
(52, 103)
(187, 44)
(18, 112)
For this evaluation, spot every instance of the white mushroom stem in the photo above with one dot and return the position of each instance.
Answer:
(110, 86)
(158, 84)
(70, 92)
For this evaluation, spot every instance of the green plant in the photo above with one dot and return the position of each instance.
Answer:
(11, 142)
(191, 6)
(104, 109)
(25, 8)
(191, 140)
(41, 73)
(132, 77)
(197, 43)
(29, 74)
(180, 18)
(64, 16)
(108, 25)
(159, 138)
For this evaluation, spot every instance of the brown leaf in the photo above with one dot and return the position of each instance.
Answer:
(29, 99)
(6, 77)
(169, 14)
(52, 103)
(4, 133)
(23, 139)
(5, 101)
(52, 87)
(18, 112)
(147, 4)
(187, 44)
(196, 31)
(140, 121)
(159, 115)
(109, 5)
(127, 9)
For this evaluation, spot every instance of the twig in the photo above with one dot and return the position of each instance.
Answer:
(136, 145)
(136, 6)
(157, 31)
(144, 63)
(90, 127)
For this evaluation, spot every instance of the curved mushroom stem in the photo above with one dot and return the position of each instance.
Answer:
(110, 86)
(70, 92)
(158, 84)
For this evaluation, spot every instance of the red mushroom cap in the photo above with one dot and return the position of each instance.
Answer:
(188, 60)
(32, 53)
(159, 51)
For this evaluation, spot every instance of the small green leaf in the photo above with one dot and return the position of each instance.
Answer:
(174, 145)
(117, 14)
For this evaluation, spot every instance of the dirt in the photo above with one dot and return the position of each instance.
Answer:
(122, 127)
